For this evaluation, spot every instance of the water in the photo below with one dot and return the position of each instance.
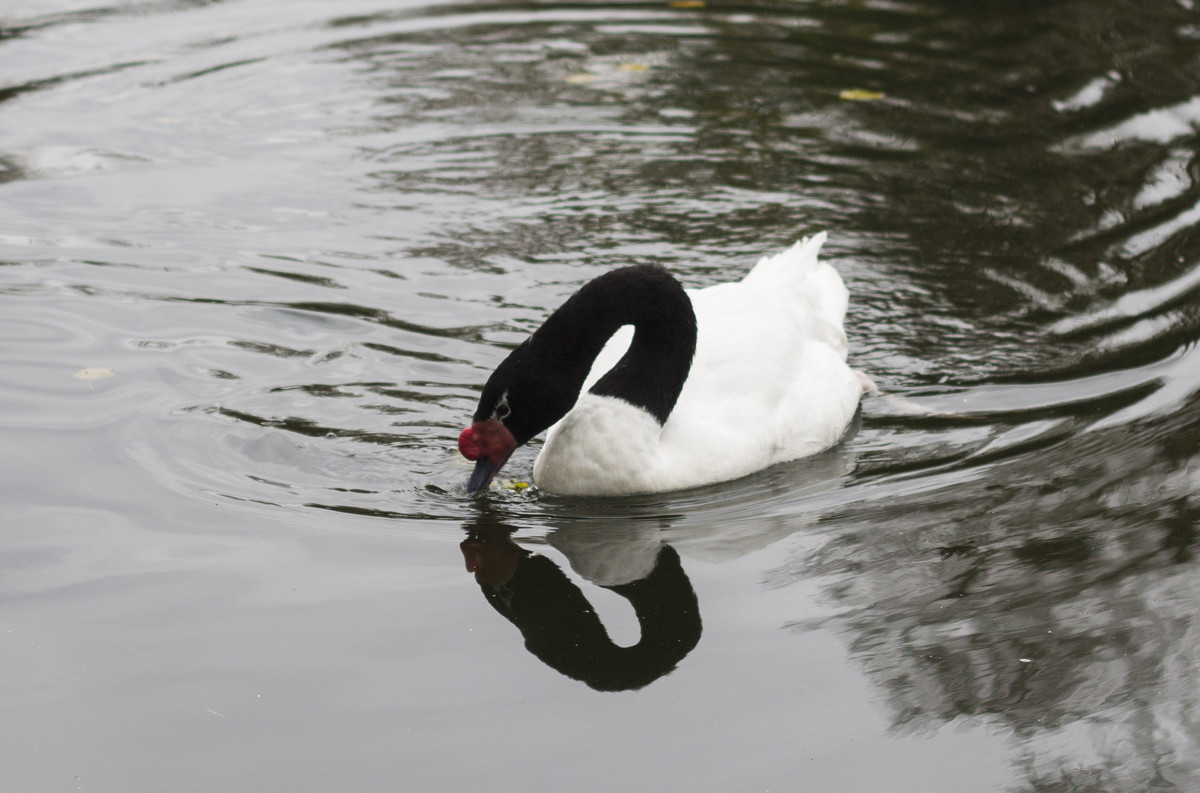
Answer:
(300, 235)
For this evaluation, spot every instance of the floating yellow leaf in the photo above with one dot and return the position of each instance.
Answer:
(860, 95)
(580, 78)
(633, 67)
(686, 4)
(517, 485)
(93, 373)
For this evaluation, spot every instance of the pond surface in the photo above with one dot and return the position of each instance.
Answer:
(257, 258)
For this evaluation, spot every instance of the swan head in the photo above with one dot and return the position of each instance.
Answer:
(528, 392)
(488, 443)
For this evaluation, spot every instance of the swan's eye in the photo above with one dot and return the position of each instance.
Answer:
(502, 410)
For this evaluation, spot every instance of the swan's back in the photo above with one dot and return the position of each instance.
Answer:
(768, 383)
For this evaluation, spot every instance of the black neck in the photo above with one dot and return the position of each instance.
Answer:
(541, 379)
(652, 372)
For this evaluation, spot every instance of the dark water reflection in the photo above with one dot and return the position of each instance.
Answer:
(300, 236)
(1059, 600)
(562, 628)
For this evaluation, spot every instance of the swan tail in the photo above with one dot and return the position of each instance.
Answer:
(790, 265)
(798, 271)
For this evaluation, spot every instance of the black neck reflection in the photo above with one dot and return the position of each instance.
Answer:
(562, 629)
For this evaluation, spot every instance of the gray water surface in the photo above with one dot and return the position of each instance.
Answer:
(257, 258)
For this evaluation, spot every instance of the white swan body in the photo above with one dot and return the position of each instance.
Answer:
(769, 383)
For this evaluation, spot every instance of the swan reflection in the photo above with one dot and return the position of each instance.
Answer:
(558, 623)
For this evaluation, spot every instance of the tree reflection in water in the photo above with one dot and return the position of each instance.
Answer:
(563, 630)
(1068, 615)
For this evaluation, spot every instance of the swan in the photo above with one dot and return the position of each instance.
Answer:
(683, 387)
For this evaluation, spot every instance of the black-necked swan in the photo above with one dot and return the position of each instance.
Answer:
(684, 387)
